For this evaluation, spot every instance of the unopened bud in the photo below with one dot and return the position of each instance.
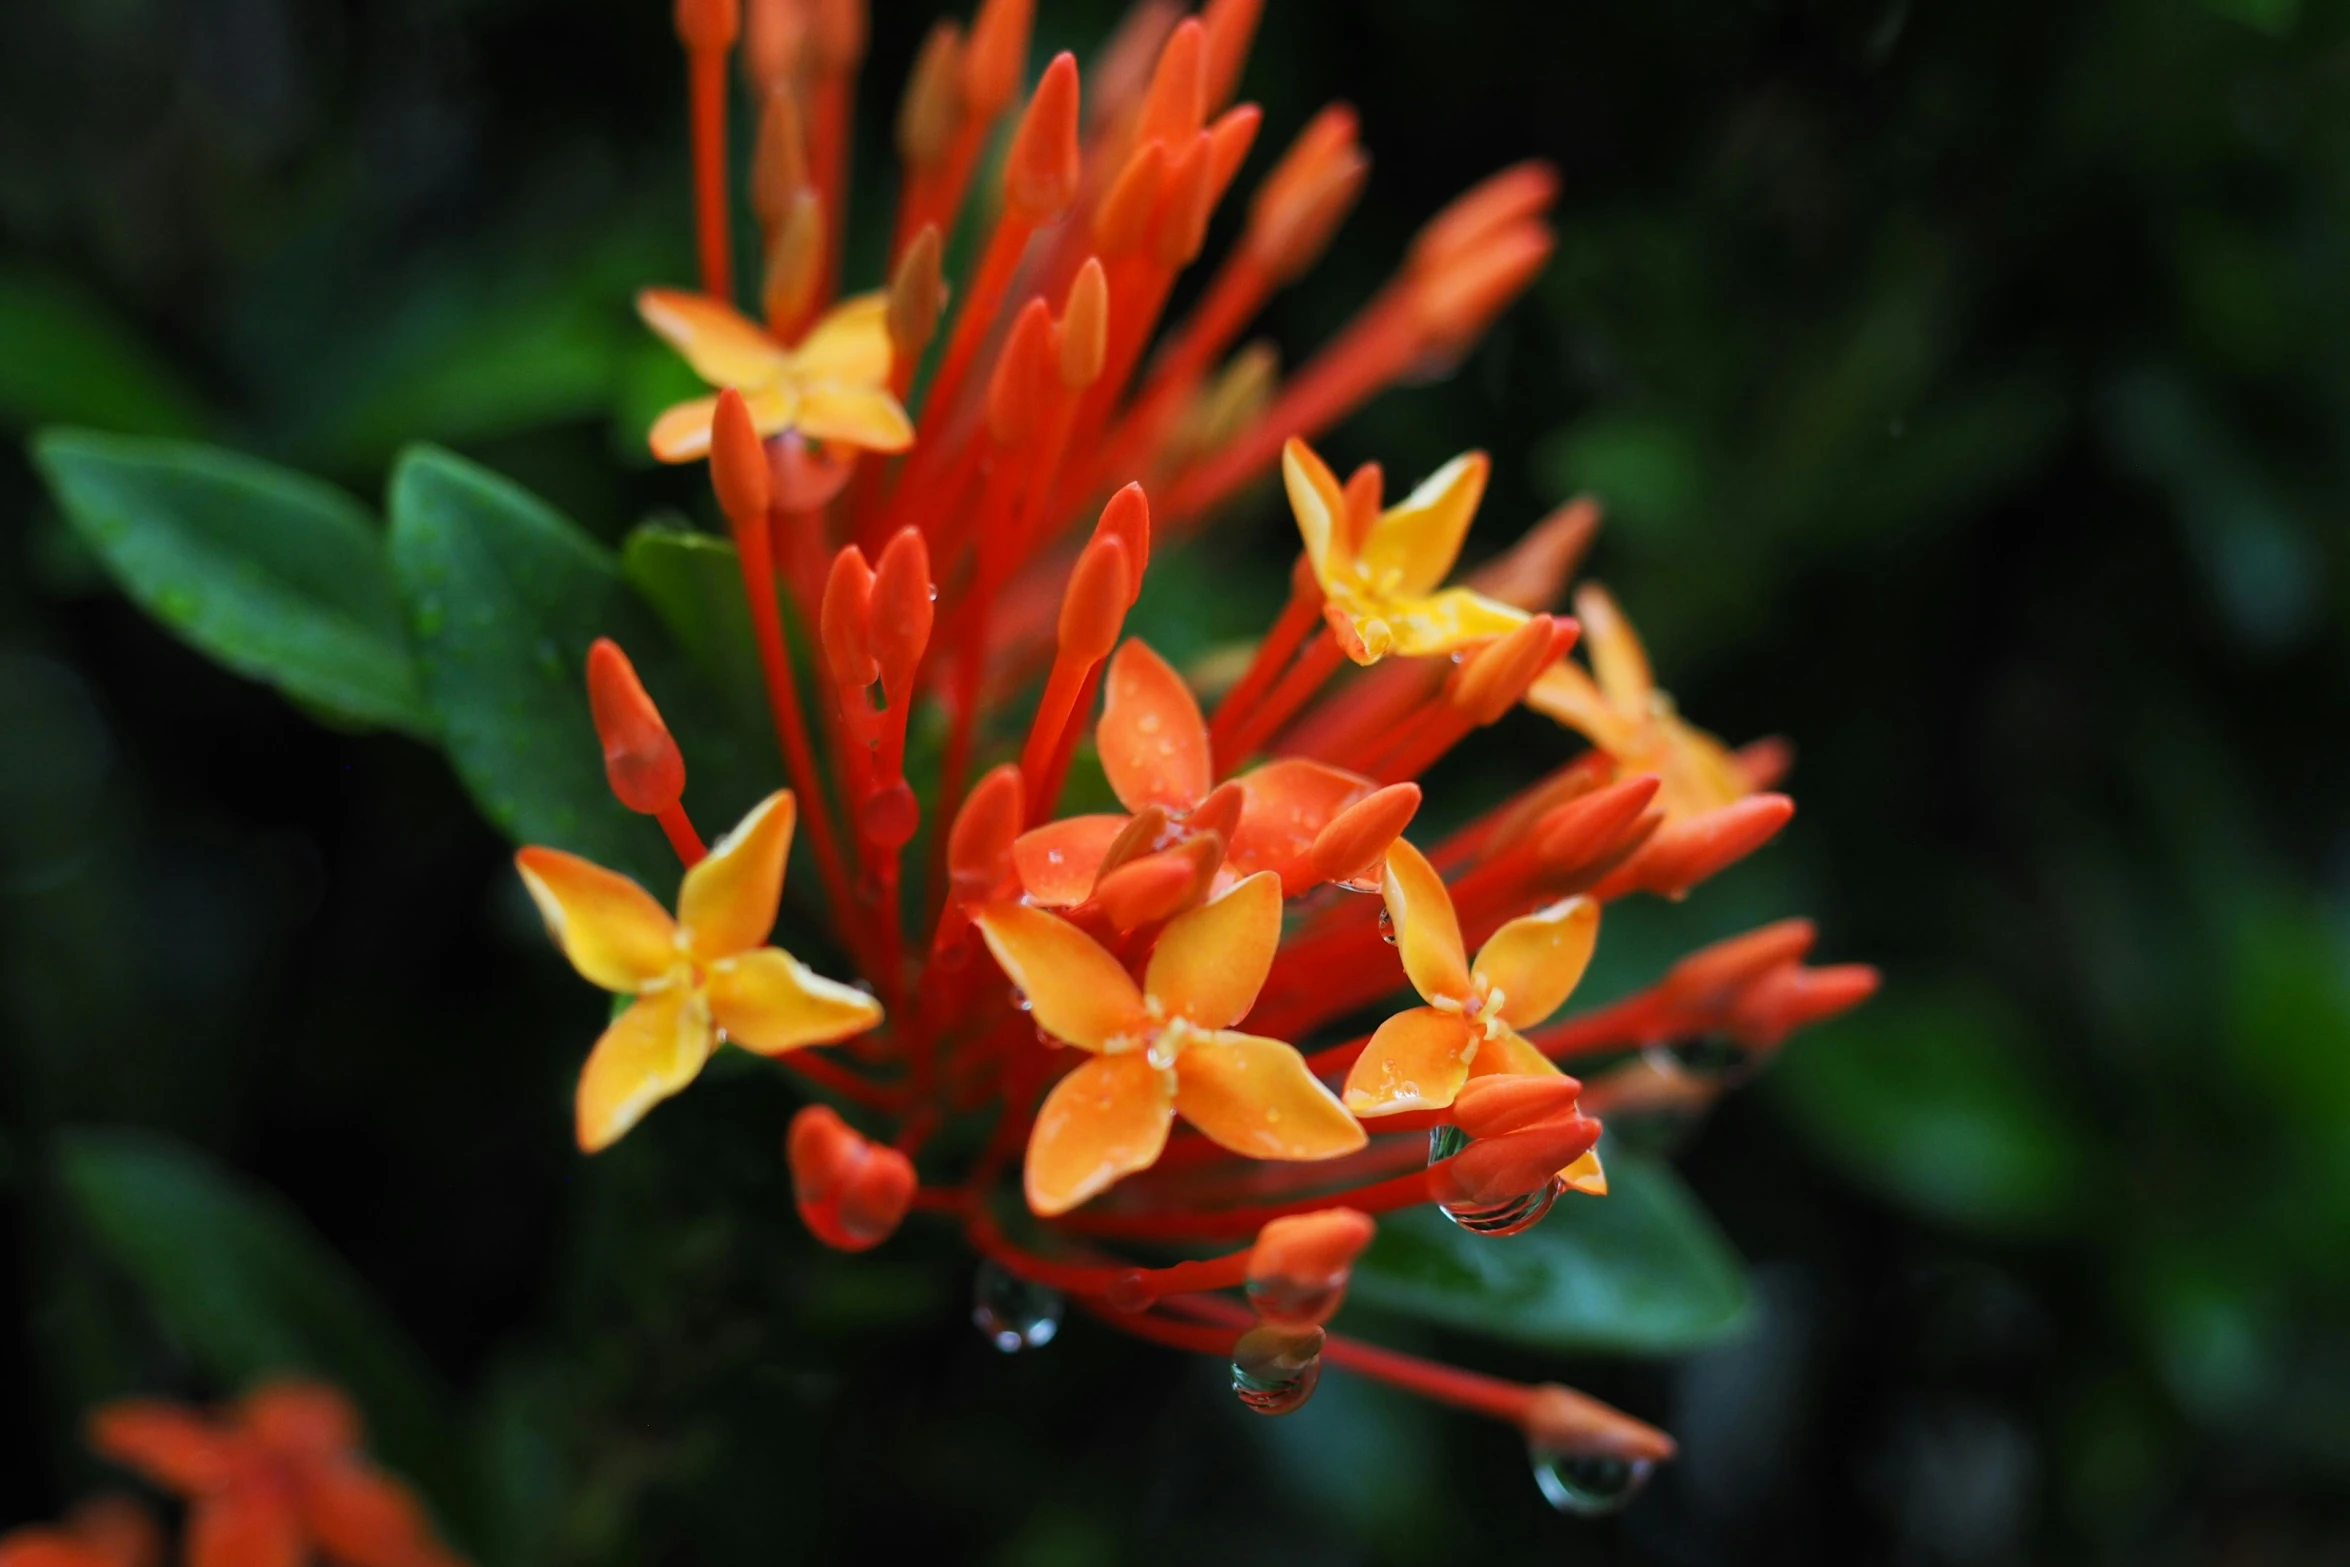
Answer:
(845, 622)
(1358, 838)
(851, 1191)
(1093, 607)
(1710, 978)
(1794, 997)
(641, 760)
(1577, 834)
(1496, 1169)
(1560, 1420)
(1179, 225)
(1231, 26)
(773, 33)
(795, 263)
(738, 461)
(836, 41)
(1084, 331)
(979, 845)
(1299, 1267)
(1127, 518)
(1502, 1102)
(1042, 171)
(1686, 852)
(933, 106)
(1458, 300)
(1518, 194)
(1141, 835)
(1221, 811)
(1177, 105)
(917, 295)
(1160, 886)
(997, 55)
(904, 607)
(1015, 390)
(1308, 194)
(779, 162)
(1122, 219)
(1489, 684)
(1764, 763)
(1230, 136)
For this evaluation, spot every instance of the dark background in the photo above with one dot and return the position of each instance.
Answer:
(1970, 389)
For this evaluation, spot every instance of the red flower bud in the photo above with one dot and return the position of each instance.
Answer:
(1042, 171)
(641, 759)
(852, 1192)
(1298, 1270)
(1360, 836)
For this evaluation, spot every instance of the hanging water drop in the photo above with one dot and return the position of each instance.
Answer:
(1588, 1485)
(1275, 1370)
(1011, 1313)
(1387, 927)
(1512, 1215)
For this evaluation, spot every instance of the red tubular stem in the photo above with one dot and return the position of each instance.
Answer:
(1297, 620)
(681, 834)
(1292, 692)
(706, 89)
(972, 321)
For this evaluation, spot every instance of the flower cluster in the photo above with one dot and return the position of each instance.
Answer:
(277, 1479)
(1138, 1006)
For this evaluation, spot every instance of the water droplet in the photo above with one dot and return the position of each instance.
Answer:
(1275, 1370)
(1148, 723)
(1387, 927)
(1367, 882)
(1020, 1001)
(890, 814)
(1293, 1303)
(1511, 1216)
(1711, 1056)
(1589, 1485)
(1011, 1313)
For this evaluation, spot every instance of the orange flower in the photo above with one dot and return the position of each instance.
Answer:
(1380, 574)
(1623, 713)
(1162, 1047)
(1419, 1059)
(1154, 747)
(833, 386)
(275, 1477)
(705, 971)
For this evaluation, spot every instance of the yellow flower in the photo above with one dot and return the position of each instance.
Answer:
(1623, 713)
(1419, 1059)
(1381, 584)
(1162, 1047)
(705, 971)
(834, 386)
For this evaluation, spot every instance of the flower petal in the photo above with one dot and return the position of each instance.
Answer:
(1617, 659)
(850, 344)
(1447, 622)
(1699, 773)
(294, 1418)
(608, 926)
(1059, 861)
(867, 417)
(1107, 1119)
(1154, 744)
(245, 1526)
(1285, 806)
(1566, 694)
(1416, 1061)
(1256, 1097)
(360, 1517)
(1420, 536)
(727, 903)
(769, 1001)
(1537, 960)
(651, 1051)
(171, 1445)
(1320, 507)
(1586, 1175)
(1077, 991)
(724, 347)
(1427, 932)
(682, 433)
(1210, 964)
(1510, 1053)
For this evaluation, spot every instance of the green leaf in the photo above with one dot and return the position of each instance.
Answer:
(1642, 1270)
(65, 360)
(1936, 1102)
(252, 1291)
(278, 576)
(694, 583)
(504, 596)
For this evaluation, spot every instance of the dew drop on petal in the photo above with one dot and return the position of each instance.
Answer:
(1588, 1485)
(1387, 927)
(1511, 1216)
(1011, 1313)
(1275, 1369)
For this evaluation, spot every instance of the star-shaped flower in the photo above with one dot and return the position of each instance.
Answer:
(279, 1475)
(831, 386)
(1164, 1046)
(705, 971)
(1381, 576)
(1154, 747)
(1623, 713)
(1419, 1059)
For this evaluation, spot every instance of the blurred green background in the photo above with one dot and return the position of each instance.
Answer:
(1970, 391)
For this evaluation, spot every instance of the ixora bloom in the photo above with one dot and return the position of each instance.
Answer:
(1209, 949)
(1163, 1047)
(705, 971)
(833, 385)
(272, 1478)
